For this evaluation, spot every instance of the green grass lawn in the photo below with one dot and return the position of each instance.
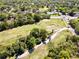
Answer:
(43, 9)
(61, 37)
(10, 36)
(42, 51)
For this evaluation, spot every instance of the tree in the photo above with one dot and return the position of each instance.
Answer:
(75, 39)
(18, 48)
(39, 33)
(35, 32)
(10, 51)
(15, 23)
(30, 20)
(75, 25)
(10, 24)
(38, 41)
(44, 16)
(43, 34)
(19, 22)
(2, 16)
(72, 13)
(4, 25)
(37, 17)
(1, 26)
(64, 55)
(53, 53)
(31, 42)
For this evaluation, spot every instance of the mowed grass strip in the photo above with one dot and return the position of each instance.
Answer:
(61, 37)
(42, 51)
(10, 36)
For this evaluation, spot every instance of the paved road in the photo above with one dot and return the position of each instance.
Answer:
(52, 38)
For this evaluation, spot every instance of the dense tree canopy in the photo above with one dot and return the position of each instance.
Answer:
(66, 49)
(75, 24)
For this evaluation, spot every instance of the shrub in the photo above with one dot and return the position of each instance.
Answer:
(36, 37)
(64, 54)
(31, 42)
(30, 20)
(65, 49)
(43, 34)
(72, 13)
(4, 25)
(75, 25)
(38, 41)
(10, 24)
(2, 16)
(37, 17)
(35, 32)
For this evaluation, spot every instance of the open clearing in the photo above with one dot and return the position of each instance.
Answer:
(10, 36)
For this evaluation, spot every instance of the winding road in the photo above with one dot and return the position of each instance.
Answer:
(47, 40)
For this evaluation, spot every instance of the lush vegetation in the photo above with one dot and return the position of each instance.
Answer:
(28, 24)
(19, 20)
(17, 13)
(43, 50)
(66, 49)
(36, 37)
(23, 43)
(75, 24)
(64, 46)
(21, 12)
(12, 41)
(67, 6)
(18, 41)
(9, 37)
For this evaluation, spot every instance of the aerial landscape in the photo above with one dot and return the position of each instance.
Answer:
(39, 29)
